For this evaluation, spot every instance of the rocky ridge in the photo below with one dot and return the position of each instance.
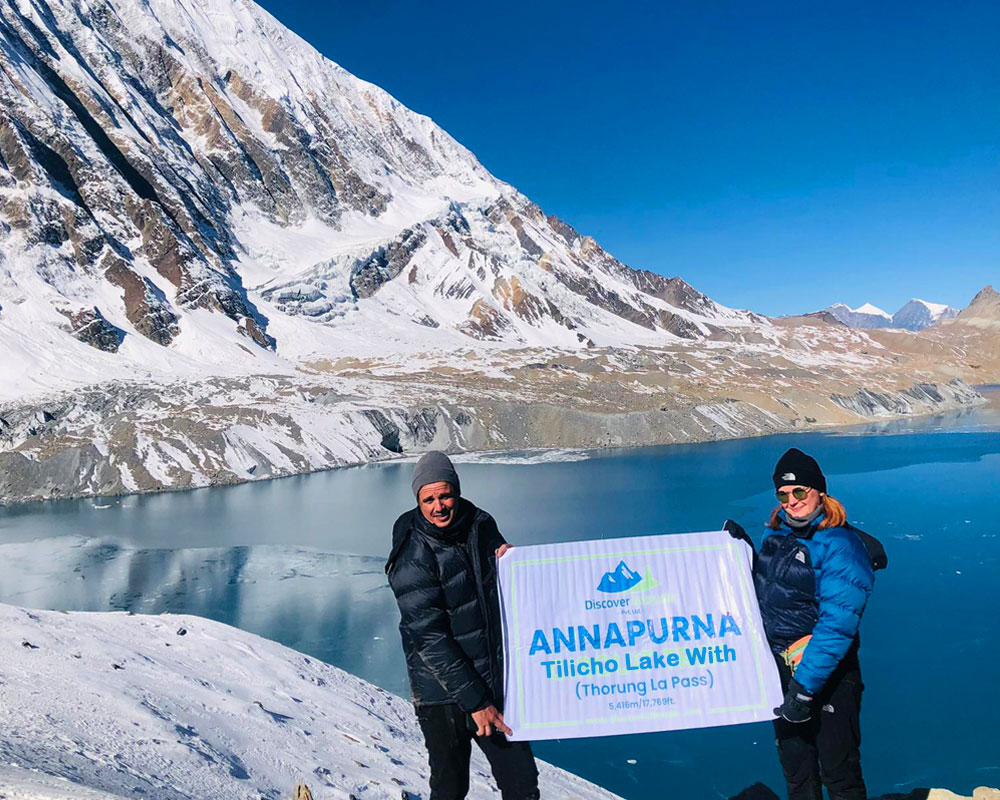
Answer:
(982, 312)
(133, 437)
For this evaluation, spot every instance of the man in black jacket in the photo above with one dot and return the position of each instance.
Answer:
(442, 569)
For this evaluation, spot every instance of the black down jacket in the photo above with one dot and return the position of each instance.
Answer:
(445, 583)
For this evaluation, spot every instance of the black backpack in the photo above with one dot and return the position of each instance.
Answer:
(876, 552)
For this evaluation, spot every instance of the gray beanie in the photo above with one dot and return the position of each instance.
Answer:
(433, 467)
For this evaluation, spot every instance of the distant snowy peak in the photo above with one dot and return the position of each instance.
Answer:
(188, 184)
(868, 308)
(866, 316)
(919, 314)
(914, 315)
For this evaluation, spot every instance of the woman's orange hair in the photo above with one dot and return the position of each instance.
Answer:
(834, 514)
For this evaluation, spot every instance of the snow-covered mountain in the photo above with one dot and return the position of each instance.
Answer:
(866, 316)
(914, 315)
(189, 187)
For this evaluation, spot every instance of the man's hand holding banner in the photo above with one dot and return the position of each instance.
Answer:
(633, 635)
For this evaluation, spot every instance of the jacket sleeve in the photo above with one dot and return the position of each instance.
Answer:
(846, 580)
(424, 617)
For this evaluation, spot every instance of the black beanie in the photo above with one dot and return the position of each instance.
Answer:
(795, 467)
(434, 467)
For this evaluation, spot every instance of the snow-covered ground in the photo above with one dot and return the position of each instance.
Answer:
(172, 707)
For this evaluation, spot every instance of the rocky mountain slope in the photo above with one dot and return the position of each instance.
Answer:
(983, 312)
(188, 184)
(226, 258)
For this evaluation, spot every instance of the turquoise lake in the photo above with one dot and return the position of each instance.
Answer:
(300, 560)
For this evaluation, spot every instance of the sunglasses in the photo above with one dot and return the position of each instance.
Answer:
(799, 493)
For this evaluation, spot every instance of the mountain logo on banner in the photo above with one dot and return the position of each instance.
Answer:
(622, 579)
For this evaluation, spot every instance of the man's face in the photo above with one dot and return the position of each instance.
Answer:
(437, 503)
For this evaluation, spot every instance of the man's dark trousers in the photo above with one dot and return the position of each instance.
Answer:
(826, 749)
(448, 733)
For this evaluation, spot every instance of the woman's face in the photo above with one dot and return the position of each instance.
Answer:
(800, 508)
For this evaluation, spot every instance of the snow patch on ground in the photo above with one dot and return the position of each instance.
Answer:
(523, 458)
(176, 707)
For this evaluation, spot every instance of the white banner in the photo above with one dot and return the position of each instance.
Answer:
(649, 633)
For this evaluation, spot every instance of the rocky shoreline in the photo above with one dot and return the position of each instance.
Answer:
(124, 438)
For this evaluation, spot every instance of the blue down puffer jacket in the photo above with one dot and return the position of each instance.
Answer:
(813, 581)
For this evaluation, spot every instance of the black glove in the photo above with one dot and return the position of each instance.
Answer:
(797, 705)
(735, 530)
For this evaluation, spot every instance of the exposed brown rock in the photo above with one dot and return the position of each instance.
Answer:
(385, 263)
(145, 306)
(529, 307)
(90, 327)
(248, 327)
(485, 322)
(678, 325)
(566, 231)
(594, 292)
(448, 241)
(529, 245)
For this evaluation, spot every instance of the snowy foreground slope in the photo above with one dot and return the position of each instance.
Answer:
(111, 705)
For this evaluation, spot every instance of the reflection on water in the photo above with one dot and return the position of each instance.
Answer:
(260, 557)
(316, 602)
(966, 420)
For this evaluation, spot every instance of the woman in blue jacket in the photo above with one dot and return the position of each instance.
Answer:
(813, 576)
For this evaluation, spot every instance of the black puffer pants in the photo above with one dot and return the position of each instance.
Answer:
(448, 733)
(826, 750)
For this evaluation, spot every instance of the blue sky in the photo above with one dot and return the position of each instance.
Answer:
(777, 156)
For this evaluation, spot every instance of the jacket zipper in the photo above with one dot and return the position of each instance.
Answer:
(480, 594)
